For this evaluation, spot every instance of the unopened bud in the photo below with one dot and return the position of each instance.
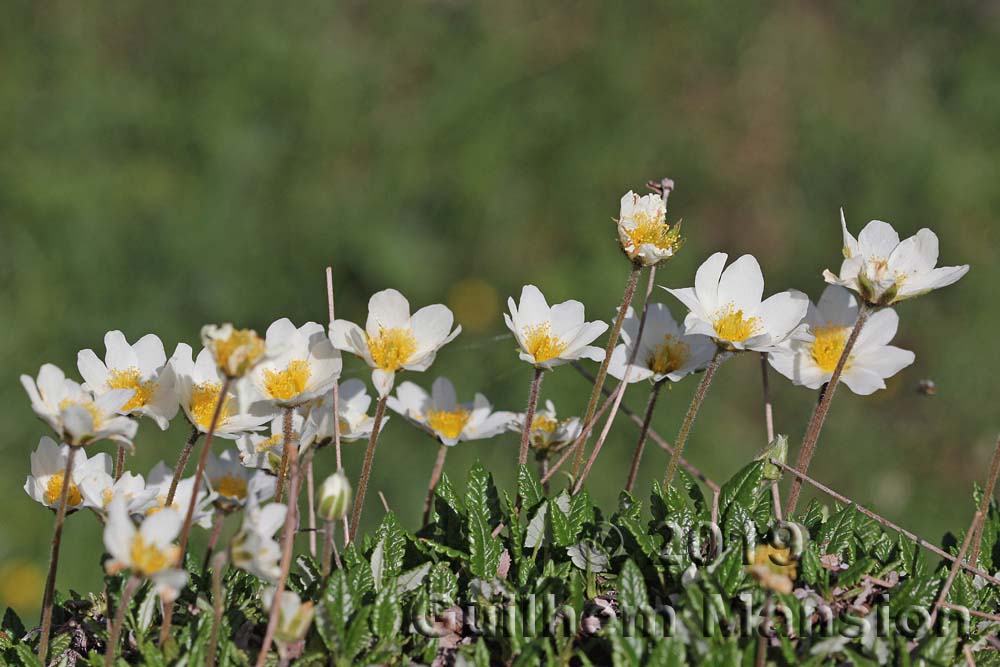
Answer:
(334, 497)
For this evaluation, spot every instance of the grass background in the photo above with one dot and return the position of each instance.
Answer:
(164, 165)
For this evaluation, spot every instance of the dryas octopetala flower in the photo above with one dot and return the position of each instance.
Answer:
(643, 231)
(810, 356)
(141, 367)
(265, 451)
(392, 339)
(334, 497)
(254, 548)
(48, 474)
(294, 615)
(160, 477)
(884, 270)
(353, 402)
(149, 551)
(443, 417)
(550, 337)
(726, 305)
(548, 434)
(74, 413)
(665, 351)
(233, 483)
(99, 488)
(300, 365)
(198, 383)
(235, 351)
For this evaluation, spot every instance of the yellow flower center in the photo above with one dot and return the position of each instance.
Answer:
(130, 378)
(288, 383)
(204, 398)
(541, 344)
(668, 356)
(54, 489)
(654, 231)
(270, 443)
(731, 325)
(239, 352)
(392, 348)
(147, 559)
(448, 424)
(89, 406)
(232, 486)
(828, 346)
(544, 423)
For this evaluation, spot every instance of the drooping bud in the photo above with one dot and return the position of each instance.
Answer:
(778, 450)
(334, 497)
(236, 351)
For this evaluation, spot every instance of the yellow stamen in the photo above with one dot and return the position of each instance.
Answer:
(828, 346)
(544, 423)
(392, 348)
(288, 383)
(448, 424)
(732, 326)
(204, 397)
(147, 559)
(541, 344)
(239, 352)
(130, 378)
(270, 443)
(54, 488)
(654, 231)
(232, 487)
(89, 406)
(668, 356)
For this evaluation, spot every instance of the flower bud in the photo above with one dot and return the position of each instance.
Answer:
(778, 450)
(236, 351)
(334, 497)
(643, 232)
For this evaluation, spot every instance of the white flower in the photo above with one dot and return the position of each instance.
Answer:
(550, 337)
(392, 340)
(99, 488)
(235, 351)
(198, 384)
(548, 434)
(159, 479)
(884, 270)
(254, 549)
(149, 551)
(726, 305)
(441, 415)
(294, 615)
(809, 357)
(140, 367)
(300, 364)
(643, 231)
(353, 402)
(233, 483)
(74, 413)
(48, 474)
(265, 452)
(665, 352)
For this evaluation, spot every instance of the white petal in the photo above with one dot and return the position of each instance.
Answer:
(150, 354)
(443, 395)
(92, 369)
(532, 308)
(878, 239)
(885, 361)
(387, 309)
(917, 254)
(689, 298)
(782, 312)
(119, 353)
(742, 284)
(430, 326)
(879, 330)
(837, 306)
(850, 243)
(861, 381)
(706, 281)
(383, 381)
(567, 318)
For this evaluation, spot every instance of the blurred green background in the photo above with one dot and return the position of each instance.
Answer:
(164, 165)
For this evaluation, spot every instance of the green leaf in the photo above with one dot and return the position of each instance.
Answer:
(413, 578)
(27, 656)
(391, 536)
(742, 489)
(632, 594)
(729, 570)
(563, 534)
(442, 584)
(835, 537)
(484, 549)
(529, 488)
(387, 617)
(335, 612)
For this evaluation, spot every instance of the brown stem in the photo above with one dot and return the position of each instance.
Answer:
(311, 500)
(119, 462)
(568, 451)
(602, 373)
(529, 416)
(181, 465)
(943, 595)
(972, 612)
(283, 470)
(330, 548)
(288, 544)
(699, 396)
(168, 608)
(885, 522)
(984, 505)
(366, 468)
(435, 477)
(218, 604)
(116, 627)
(654, 392)
(50, 581)
(819, 414)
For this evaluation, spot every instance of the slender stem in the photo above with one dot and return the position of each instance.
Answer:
(366, 468)
(168, 608)
(543, 472)
(288, 544)
(119, 462)
(819, 414)
(330, 548)
(311, 500)
(182, 464)
(50, 581)
(885, 522)
(568, 451)
(602, 373)
(654, 392)
(213, 537)
(699, 396)
(529, 417)
(218, 604)
(769, 425)
(116, 626)
(984, 505)
(619, 393)
(435, 477)
(972, 612)
(283, 470)
(336, 396)
(943, 595)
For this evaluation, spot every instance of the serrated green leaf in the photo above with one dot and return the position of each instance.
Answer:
(387, 617)
(730, 570)
(742, 489)
(412, 578)
(836, 535)
(631, 586)
(484, 549)
(529, 489)
(442, 584)
(563, 534)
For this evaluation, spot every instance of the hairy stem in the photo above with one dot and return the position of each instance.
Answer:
(283, 470)
(654, 393)
(819, 413)
(336, 394)
(529, 416)
(699, 396)
(218, 605)
(366, 468)
(119, 462)
(116, 627)
(182, 464)
(213, 537)
(50, 581)
(311, 501)
(984, 505)
(435, 477)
